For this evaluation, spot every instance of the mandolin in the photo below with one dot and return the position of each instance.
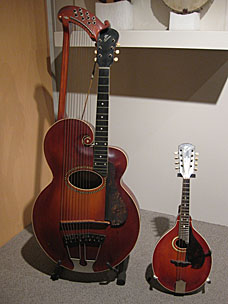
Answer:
(87, 219)
(182, 258)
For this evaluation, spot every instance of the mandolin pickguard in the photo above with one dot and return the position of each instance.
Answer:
(181, 268)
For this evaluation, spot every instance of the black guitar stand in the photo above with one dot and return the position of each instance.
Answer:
(57, 272)
(120, 271)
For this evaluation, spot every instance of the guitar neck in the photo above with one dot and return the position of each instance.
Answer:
(100, 161)
(184, 212)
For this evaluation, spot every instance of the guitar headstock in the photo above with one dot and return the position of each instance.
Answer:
(83, 18)
(186, 158)
(106, 45)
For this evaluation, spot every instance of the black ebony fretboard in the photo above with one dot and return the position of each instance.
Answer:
(100, 160)
(184, 212)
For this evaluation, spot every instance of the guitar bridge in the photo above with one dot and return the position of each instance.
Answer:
(87, 239)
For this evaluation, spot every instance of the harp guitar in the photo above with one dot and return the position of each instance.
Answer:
(182, 258)
(86, 219)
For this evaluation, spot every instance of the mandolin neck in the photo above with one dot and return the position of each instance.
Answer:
(184, 211)
(100, 161)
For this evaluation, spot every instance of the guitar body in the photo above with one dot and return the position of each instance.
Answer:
(194, 261)
(83, 220)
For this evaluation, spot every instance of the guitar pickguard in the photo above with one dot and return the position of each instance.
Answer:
(116, 211)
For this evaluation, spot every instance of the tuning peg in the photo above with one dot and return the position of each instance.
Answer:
(95, 52)
(177, 168)
(118, 44)
(177, 163)
(116, 59)
(196, 164)
(196, 158)
(195, 169)
(117, 52)
(175, 153)
(95, 59)
(197, 154)
(176, 157)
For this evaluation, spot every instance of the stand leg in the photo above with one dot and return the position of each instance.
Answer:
(57, 272)
(122, 268)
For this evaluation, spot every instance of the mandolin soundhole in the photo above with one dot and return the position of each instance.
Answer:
(84, 179)
(181, 244)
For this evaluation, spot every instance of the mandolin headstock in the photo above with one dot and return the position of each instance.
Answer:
(186, 158)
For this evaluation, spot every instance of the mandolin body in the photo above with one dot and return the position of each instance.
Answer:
(194, 261)
(83, 220)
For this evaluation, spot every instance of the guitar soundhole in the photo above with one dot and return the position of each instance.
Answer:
(85, 179)
(181, 244)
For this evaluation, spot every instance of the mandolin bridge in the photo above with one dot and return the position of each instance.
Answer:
(180, 263)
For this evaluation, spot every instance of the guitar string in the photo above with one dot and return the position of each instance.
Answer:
(79, 165)
(64, 169)
(68, 206)
(73, 129)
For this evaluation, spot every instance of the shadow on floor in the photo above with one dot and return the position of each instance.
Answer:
(36, 257)
(154, 284)
(161, 224)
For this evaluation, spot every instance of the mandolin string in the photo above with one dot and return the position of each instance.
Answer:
(178, 276)
(181, 230)
(179, 239)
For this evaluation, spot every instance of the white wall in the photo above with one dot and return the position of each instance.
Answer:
(151, 131)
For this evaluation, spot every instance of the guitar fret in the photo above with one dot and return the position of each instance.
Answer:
(100, 161)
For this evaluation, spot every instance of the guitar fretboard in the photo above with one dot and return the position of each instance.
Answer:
(100, 160)
(184, 212)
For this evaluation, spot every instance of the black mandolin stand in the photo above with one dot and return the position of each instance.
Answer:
(120, 271)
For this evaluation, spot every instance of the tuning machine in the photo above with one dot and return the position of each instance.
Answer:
(116, 59)
(176, 155)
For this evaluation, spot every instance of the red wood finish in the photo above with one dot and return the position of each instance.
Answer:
(167, 273)
(83, 18)
(92, 26)
(65, 151)
(64, 70)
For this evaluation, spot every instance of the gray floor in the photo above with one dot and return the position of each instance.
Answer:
(25, 271)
